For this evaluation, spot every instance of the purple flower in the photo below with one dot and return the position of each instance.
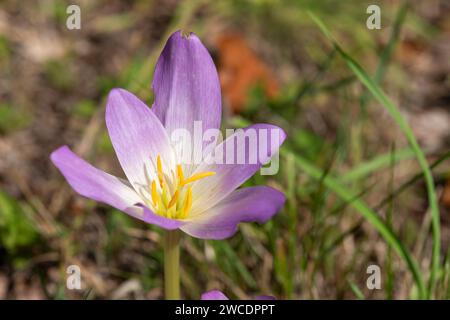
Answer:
(218, 295)
(200, 199)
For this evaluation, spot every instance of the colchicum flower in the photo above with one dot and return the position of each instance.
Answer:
(201, 200)
(219, 295)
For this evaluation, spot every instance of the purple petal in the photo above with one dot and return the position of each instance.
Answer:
(186, 85)
(243, 205)
(231, 174)
(214, 295)
(103, 187)
(137, 136)
(92, 182)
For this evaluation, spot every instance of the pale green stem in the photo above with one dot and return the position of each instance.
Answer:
(172, 265)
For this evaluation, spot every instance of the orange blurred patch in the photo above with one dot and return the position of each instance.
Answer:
(409, 52)
(240, 70)
(446, 195)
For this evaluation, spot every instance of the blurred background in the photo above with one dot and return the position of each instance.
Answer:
(343, 152)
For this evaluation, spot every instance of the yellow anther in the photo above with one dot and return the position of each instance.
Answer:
(187, 203)
(180, 173)
(197, 176)
(155, 195)
(159, 164)
(161, 180)
(160, 171)
(173, 200)
(165, 195)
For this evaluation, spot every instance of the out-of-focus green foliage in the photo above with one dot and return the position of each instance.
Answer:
(85, 109)
(16, 229)
(11, 118)
(59, 74)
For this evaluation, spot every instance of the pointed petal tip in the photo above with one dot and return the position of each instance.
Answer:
(113, 95)
(116, 90)
(184, 35)
(116, 93)
(283, 134)
(279, 199)
(56, 154)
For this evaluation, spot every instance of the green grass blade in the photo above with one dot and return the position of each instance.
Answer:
(410, 182)
(386, 54)
(393, 39)
(366, 168)
(358, 293)
(389, 214)
(371, 216)
(379, 95)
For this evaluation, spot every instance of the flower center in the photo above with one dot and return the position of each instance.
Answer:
(171, 193)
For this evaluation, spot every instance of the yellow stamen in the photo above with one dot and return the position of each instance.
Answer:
(197, 176)
(160, 171)
(154, 194)
(159, 164)
(165, 195)
(180, 173)
(173, 200)
(187, 203)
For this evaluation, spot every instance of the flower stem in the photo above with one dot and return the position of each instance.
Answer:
(172, 265)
